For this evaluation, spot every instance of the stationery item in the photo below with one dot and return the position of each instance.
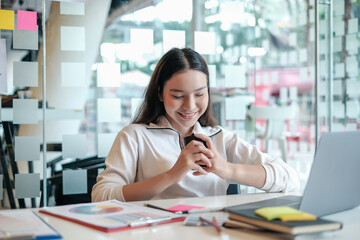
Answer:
(25, 224)
(289, 227)
(212, 223)
(181, 208)
(112, 215)
(204, 210)
(284, 214)
(160, 208)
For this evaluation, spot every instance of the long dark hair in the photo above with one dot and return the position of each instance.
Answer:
(174, 61)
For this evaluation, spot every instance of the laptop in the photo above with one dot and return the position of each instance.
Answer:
(334, 181)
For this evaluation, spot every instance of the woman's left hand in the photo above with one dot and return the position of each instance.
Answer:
(220, 166)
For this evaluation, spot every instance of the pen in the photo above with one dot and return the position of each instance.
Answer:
(203, 210)
(160, 208)
(144, 222)
(213, 223)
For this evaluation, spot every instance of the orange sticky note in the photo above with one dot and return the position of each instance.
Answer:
(7, 19)
(26, 20)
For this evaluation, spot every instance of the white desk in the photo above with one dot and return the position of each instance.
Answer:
(69, 230)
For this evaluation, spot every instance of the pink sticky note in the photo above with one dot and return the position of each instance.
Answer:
(27, 20)
(182, 207)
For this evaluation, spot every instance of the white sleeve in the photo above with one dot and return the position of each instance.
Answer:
(280, 176)
(121, 166)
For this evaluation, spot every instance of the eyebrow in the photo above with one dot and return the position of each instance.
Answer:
(178, 90)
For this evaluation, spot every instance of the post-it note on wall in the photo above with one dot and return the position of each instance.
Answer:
(7, 19)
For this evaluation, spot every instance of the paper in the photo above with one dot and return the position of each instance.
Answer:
(27, 20)
(24, 39)
(339, 7)
(74, 181)
(25, 222)
(27, 185)
(74, 146)
(108, 74)
(284, 214)
(7, 19)
(135, 104)
(339, 26)
(109, 110)
(142, 40)
(212, 75)
(232, 112)
(105, 141)
(25, 74)
(73, 74)
(303, 55)
(72, 38)
(353, 25)
(182, 208)
(3, 67)
(235, 76)
(27, 148)
(25, 111)
(72, 8)
(205, 42)
(110, 216)
(173, 38)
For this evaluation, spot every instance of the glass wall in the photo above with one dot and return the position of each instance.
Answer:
(285, 57)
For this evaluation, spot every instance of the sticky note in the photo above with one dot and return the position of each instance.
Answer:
(205, 42)
(25, 74)
(235, 76)
(27, 148)
(3, 67)
(105, 141)
(238, 112)
(212, 75)
(74, 146)
(284, 214)
(25, 111)
(73, 74)
(183, 207)
(74, 181)
(27, 20)
(72, 8)
(109, 110)
(27, 185)
(7, 19)
(72, 38)
(142, 40)
(108, 74)
(173, 38)
(24, 39)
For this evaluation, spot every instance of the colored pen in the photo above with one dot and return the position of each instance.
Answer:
(160, 208)
(213, 224)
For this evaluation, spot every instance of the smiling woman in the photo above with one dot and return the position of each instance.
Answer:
(149, 160)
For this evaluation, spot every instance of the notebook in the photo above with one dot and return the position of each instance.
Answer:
(333, 183)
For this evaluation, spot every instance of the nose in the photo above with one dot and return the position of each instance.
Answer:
(189, 103)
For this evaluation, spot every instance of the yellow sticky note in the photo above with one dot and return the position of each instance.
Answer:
(298, 217)
(7, 19)
(271, 213)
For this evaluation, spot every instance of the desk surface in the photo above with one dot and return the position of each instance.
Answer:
(69, 230)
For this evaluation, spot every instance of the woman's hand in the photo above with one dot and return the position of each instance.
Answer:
(191, 156)
(219, 165)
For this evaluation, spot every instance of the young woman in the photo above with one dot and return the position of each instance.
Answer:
(149, 160)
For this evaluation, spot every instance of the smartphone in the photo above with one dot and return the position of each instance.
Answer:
(188, 139)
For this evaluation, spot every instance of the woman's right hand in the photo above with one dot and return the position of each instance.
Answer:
(191, 156)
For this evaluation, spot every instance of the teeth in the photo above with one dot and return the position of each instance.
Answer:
(188, 115)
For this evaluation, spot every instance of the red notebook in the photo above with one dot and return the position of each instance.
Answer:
(113, 215)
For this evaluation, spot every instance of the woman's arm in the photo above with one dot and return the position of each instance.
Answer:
(252, 167)
(187, 161)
